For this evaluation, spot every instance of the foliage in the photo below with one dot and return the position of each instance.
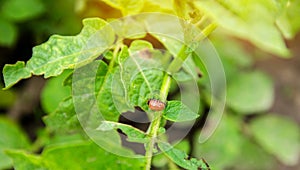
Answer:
(12, 137)
(91, 91)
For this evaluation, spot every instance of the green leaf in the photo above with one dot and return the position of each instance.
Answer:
(178, 112)
(133, 134)
(63, 119)
(60, 53)
(224, 146)
(288, 22)
(122, 56)
(75, 155)
(161, 160)
(108, 55)
(54, 92)
(110, 100)
(20, 10)
(8, 96)
(138, 45)
(64, 139)
(165, 6)
(92, 108)
(171, 44)
(129, 28)
(140, 77)
(183, 145)
(252, 20)
(8, 33)
(250, 93)
(12, 137)
(87, 155)
(253, 157)
(180, 7)
(181, 158)
(14, 73)
(279, 136)
(145, 86)
(22, 160)
(94, 38)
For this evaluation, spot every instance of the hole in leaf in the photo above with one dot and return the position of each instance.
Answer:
(139, 120)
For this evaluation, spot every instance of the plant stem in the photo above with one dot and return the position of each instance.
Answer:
(114, 57)
(152, 133)
(155, 124)
(178, 61)
(164, 90)
(206, 31)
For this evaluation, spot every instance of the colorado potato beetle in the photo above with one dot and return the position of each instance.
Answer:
(156, 105)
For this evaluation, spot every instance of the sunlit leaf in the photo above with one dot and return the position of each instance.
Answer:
(288, 22)
(60, 53)
(165, 6)
(126, 6)
(252, 20)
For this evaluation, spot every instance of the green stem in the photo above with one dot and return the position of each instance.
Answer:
(155, 124)
(164, 90)
(152, 133)
(114, 57)
(206, 31)
(178, 61)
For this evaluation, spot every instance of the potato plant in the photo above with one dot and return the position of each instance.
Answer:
(160, 71)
